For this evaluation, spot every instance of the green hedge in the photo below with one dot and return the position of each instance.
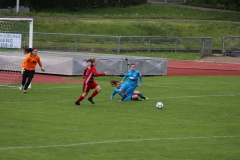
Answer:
(38, 5)
(233, 5)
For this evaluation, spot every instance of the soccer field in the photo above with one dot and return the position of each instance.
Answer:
(200, 120)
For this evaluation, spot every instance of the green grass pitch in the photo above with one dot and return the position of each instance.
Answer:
(200, 120)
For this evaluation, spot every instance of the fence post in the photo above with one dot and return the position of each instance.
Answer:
(211, 47)
(176, 46)
(118, 44)
(165, 1)
(202, 46)
(149, 44)
(223, 45)
(76, 42)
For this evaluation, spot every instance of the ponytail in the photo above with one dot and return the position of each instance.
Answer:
(90, 60)
(113, 82)
(28, 50)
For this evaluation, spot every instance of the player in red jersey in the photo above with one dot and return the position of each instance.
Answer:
(89, 83)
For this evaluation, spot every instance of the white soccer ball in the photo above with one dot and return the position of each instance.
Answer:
(159, 105)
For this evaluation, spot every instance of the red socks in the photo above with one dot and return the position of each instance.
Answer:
(80, 98)
(94, 94)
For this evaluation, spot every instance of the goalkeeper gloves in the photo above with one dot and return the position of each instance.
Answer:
(43, 69)
(23, 70)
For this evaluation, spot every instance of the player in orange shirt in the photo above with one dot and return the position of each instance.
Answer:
(89, 82)
(28, 67)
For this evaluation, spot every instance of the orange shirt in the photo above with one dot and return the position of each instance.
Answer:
(30, 62)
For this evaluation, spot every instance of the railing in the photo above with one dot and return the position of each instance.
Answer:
(104, 43)
(230, 43)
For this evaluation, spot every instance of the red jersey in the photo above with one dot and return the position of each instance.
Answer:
(89, 72)
(85, 72)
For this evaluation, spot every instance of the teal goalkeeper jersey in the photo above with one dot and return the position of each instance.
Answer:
(133, 77)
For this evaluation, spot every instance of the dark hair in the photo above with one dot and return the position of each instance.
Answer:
(90, 60)
(114, 83)
(28, 50)
(132, 64)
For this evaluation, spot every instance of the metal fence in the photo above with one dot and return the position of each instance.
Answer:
(103, 43)
(231, 43)
(165, 44)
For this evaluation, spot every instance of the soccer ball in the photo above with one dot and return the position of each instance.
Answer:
(159, 105)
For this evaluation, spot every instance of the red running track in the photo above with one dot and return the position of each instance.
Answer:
(174, 68)
(190, 68)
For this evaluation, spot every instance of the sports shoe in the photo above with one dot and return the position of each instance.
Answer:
(77, 103)
(21, 88)
(90, 99)
(145, 98)
(24, 91)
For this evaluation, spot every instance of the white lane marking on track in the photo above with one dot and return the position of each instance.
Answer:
(117, 141)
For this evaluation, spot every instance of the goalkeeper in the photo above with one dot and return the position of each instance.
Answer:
(29, 66)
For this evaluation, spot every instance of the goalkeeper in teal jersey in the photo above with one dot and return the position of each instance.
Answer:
(130, 85)
(135, 95)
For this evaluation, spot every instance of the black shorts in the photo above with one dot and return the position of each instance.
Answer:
(29, 74)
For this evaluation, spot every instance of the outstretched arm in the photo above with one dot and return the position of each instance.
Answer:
(94, 71)
(113, 94)
(140, 77)
(39, 62)
(126, 75)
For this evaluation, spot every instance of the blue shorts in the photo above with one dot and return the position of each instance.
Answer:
(126, 87)
(129, 96)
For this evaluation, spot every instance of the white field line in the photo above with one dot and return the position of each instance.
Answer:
(178, 87)
(79, 87)
(176, 97)
(151, 84)
(117, 141)
(228, 95)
